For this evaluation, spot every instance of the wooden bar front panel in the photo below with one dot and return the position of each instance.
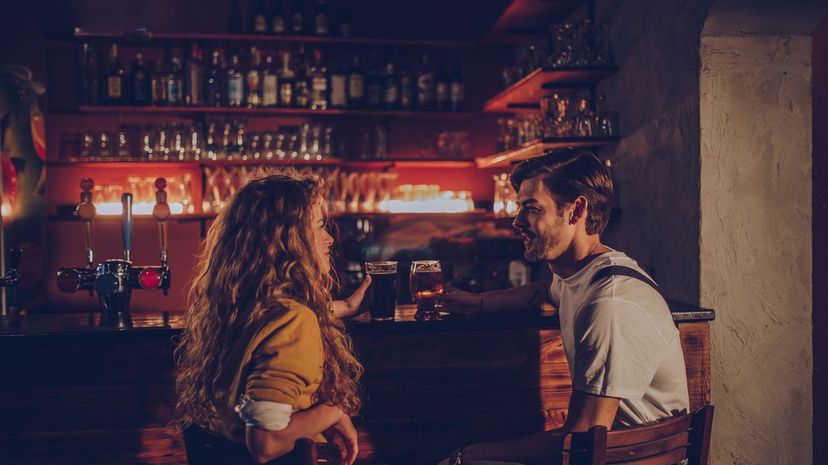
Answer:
(109, 398)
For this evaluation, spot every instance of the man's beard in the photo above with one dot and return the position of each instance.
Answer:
(538, 246)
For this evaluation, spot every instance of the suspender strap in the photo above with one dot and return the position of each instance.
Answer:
(620, 270)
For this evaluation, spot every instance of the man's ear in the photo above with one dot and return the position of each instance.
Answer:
(579, 209)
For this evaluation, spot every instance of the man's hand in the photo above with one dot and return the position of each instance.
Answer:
(461, 302)
(344, 434)
(350, 306)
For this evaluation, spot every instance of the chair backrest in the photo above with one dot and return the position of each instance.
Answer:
(208, 448)
(666, 442)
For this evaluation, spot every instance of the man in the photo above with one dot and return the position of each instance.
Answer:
(623, 349)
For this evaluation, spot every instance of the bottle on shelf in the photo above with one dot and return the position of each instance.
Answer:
(90, 75)
(270, 83)
(319, 82)
(253, 80)
(297, 18)
(287, 76)
(457, 90)
(390, 87)
(278, 22)
(407, 95)
(115, 78)
(140, 81)
(346, 21)
(235, 83)
(214, 82)
(356, 85)
(175, 85)
(339, 87)
(234, 18)
(441, 90)
(158, 84)
(425, 85)
(373, 86)
(301, 85)
(258, 19)
(321, 19)
(194, 77)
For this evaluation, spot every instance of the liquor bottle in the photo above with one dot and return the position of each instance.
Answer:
(234, 18)
(90, 75)
(253, 79)
(319, 83)
(286, 77)
(321, 19)
(278, 23)
(457, 90)
(158, 84)
(339, 87)
(425, 86)
(258, 20)
(356, 85)
(297, 18)
(235, 83)
(407, 97)
(213, 82)
(373, 86)
(270, 83)
(301, 85)
(441, 90)
(346, 22)
(114, 78)
(175, 84)
(390, 88)
(194, 77)
(140, 82)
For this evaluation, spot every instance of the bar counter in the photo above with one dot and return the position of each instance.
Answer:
(79, 393)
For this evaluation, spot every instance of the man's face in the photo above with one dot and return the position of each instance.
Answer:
(546, 234)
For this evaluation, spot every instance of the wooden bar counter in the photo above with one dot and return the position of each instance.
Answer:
(74, 393)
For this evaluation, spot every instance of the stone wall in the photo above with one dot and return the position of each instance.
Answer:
(756, 244)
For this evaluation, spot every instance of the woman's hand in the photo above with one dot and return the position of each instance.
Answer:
(350, 306)
(344, 434)
(461, 302)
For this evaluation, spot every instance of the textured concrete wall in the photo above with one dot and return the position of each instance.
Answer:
(656, 165)
(756, 244)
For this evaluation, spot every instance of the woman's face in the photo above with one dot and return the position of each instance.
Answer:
(322, 240)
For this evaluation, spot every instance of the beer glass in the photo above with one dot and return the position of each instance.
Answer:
(382, 295)
(425, 283)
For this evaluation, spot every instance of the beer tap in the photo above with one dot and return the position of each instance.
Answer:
(114, 279)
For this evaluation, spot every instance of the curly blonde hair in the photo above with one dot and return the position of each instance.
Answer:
(259, 249)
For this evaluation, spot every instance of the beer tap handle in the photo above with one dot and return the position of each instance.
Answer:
(126, 225)
(86, 212)
(11, 278)
(161, 212)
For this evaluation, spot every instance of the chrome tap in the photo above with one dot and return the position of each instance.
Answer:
(114, 279)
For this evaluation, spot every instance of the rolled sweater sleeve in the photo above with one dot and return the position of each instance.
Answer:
(288, 360)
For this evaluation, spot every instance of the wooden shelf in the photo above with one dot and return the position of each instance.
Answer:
(275, 111)
(536, 149)
(523, 18)
(160, 38)
(525, 94)
(368, 164)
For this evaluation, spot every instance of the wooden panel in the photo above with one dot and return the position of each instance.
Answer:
(109, 397)
(695, 342)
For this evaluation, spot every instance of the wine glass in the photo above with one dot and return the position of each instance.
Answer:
(425, 284)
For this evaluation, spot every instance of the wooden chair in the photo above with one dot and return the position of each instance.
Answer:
(679, 440)
(208, 448)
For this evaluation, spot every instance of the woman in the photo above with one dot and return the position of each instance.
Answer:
(264, 359)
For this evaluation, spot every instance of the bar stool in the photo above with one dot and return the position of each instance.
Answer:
(208, 448)
(683, 439)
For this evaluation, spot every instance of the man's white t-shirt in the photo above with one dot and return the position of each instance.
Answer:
(620, 341)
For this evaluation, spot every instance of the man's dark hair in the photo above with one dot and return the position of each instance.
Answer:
(568, 174)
